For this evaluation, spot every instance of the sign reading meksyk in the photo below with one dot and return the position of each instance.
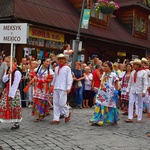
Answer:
(13, 33)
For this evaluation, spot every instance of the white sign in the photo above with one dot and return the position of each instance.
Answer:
(13, 33)
(73, 45)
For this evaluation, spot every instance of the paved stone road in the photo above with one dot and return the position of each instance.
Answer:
(75, 135)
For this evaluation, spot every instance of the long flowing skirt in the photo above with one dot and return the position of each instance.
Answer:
(10, 110)
(40, 107)
(104, 114)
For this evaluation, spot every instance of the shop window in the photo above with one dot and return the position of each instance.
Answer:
(35, 41)
(54, 44)
(141, 24)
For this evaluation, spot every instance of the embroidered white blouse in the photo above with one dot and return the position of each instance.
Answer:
(15, 84)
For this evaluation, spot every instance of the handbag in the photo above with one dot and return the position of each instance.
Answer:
(78, 85)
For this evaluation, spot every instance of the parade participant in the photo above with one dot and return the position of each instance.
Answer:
(146, 105)
(124, 85)
(137, 87)
(43, 78)
(105, 109)
(10, 102)
(62, 85)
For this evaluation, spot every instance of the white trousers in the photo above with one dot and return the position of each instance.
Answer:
(31, 93)
(60, 104)
(137, 99)
(146, 101)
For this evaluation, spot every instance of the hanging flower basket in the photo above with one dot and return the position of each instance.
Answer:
(105, 6)
(107, 10)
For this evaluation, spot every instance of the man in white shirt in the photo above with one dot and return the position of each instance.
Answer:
(62, 85)
(146, 100)
(137, 87)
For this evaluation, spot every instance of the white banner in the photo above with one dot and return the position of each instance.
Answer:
(13, 33)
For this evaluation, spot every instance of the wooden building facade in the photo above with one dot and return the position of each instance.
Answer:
(125, 36)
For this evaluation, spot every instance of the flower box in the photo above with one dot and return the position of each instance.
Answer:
(106, 6)
(107, 10)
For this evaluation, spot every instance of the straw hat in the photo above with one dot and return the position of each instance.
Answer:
(61, 56)
(137, 61)
(144, 60)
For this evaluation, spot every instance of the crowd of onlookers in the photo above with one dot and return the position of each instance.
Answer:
(86, 76)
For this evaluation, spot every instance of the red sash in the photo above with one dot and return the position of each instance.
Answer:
(60, 66)
(135, 74)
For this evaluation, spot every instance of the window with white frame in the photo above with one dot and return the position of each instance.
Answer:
(140, 24)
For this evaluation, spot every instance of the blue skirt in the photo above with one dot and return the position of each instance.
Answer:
(104, 114)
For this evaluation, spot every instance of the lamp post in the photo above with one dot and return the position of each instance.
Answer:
(77, 41)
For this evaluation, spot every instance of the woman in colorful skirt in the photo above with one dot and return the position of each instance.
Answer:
(41, 97)
(106, 110)
(124, 85)
(10, 101)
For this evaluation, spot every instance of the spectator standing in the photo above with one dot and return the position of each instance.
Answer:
(53, 65)
(31, 76)
(3, 55)
(68, 52)
(79, 78)
(97, 74)
(3, 69)
(88, 81)
(23, 83)
(116, 69)
(93, 60)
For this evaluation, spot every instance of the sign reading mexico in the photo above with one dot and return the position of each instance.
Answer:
(13, 33)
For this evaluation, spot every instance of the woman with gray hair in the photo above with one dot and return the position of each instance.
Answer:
(88, 81)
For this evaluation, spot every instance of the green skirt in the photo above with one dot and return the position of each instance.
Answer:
(104, 114)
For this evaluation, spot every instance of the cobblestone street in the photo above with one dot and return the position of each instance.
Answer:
(77, 134)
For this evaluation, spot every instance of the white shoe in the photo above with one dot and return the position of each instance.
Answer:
(69, 107)
(30, 106)
(93, 107)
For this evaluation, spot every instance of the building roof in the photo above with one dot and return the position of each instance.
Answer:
(127, 3)
(60, 15)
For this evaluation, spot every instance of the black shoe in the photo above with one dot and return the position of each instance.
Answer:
(14, 127)
(62, 116)
(80, 107)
